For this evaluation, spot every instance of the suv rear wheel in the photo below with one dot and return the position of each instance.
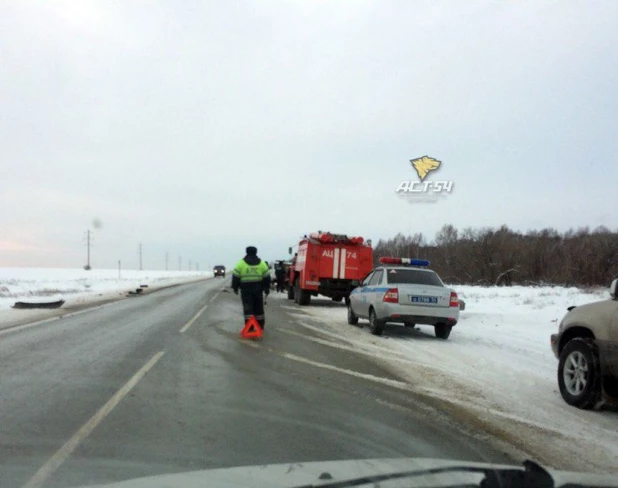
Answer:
(579, 373)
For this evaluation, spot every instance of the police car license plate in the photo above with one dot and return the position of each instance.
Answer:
(428, 300)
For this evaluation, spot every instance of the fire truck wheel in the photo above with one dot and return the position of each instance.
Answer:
(376, 327)
(290, 292)
(304, 298)
(296, 291)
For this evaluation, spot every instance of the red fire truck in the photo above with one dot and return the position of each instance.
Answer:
(328, 264)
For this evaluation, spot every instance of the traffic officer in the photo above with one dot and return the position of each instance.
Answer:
(280, 276)
(252, 276)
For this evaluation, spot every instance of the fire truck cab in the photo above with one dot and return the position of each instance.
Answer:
(328, 264)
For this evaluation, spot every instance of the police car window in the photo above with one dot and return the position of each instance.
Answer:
(413, 277)
(366, 280)
(376, 279)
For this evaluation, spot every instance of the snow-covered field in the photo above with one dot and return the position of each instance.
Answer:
(77, 286)
(496, 372)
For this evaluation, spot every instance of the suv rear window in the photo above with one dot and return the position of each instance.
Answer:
(413, 277)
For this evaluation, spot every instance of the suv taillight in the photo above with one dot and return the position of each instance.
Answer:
(454, 300)
(391, 296)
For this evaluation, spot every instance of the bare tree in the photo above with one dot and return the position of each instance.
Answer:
(505, 257)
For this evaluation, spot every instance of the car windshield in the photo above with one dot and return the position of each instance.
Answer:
(412, 277)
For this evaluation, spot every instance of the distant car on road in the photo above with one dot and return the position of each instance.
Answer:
(586, 346)
(404, 291)
(219, 270)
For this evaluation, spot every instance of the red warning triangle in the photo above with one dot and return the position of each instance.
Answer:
(252, 329)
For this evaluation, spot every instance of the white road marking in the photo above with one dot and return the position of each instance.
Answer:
(374, 347)
(17, 327)
(349, 348)
(401, 385)
(376, 379)
(195, 317)
(50, 467)
(296, 309)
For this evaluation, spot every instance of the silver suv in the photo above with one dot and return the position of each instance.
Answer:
(404, 291)
(586, 346)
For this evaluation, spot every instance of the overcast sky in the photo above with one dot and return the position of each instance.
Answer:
(198, 128)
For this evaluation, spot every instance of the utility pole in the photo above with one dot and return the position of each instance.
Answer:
(89, 238)
(119, 269)
(88, 246)
(140, 256)
(166, 259)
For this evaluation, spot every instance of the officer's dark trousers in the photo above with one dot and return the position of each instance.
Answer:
(281, 284)
(252, 304)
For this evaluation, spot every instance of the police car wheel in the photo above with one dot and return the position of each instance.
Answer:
(442, 331)
(352, 318)
(376, 327)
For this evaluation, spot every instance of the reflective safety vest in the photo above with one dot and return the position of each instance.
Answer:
(251, 273)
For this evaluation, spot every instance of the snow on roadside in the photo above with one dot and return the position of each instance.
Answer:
(48, 284)
(496, 370)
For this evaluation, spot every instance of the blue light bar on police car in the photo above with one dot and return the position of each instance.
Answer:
(404, 261)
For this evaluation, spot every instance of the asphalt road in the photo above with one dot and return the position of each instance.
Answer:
(163, 383)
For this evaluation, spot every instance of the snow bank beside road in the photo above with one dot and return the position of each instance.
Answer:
(496, 372)
(36, 284)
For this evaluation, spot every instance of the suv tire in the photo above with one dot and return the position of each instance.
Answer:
(579, 373)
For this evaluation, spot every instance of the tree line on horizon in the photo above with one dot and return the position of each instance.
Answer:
(503, 257)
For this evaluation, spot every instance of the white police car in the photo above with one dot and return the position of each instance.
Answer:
(404, 291)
